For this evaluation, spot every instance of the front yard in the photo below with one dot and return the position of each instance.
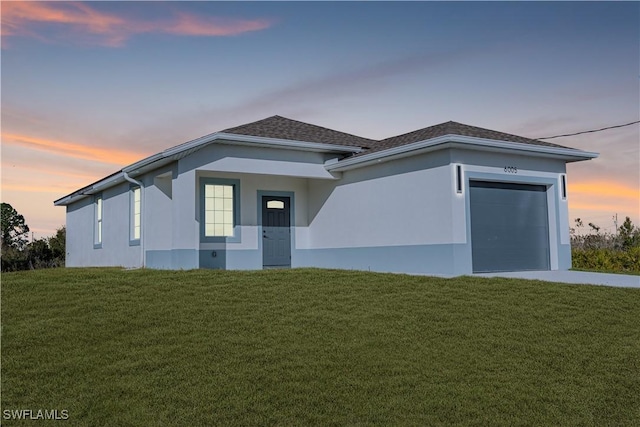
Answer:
(316, 347)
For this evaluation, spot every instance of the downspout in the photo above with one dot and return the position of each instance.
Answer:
(142, 203)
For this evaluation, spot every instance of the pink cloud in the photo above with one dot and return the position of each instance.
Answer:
(191, 25)
(108, 29)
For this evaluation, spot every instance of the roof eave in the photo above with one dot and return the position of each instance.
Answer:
(288, 143)
(173, 154)
(448, 141)
(91, 189)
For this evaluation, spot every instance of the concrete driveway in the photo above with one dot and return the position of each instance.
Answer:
(578, 277)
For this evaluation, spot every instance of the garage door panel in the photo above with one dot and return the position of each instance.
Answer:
(509, 227)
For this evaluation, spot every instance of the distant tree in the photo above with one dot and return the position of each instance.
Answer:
(39, 254)
(15, 231)
(57, 244)
(628, 234)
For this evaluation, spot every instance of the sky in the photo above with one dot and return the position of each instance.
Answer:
(90, 87)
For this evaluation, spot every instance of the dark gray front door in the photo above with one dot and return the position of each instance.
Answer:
(276, 231)
(509, 226)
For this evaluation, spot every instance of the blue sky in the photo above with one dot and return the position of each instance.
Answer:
(90, 87)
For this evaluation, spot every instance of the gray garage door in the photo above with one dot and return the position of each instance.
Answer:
(509, 226)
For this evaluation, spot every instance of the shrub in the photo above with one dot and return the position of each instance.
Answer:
(606, 251)
(607, 259)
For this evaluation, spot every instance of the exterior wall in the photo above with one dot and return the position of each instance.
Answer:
(272, 172)
(247, 253)
(115, 249)
(488, 166)
(398, 216)
(406, 216)
(394, 216)
(157, 220)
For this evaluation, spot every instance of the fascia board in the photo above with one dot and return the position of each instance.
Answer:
(287, 143)
(171, 154)
(142, 163)
(232, 137)
(90, 189)
(554, 151)
(445, 141)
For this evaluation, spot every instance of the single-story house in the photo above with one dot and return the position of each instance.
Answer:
(448, 199)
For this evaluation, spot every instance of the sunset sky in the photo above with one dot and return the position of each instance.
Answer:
(88, 88)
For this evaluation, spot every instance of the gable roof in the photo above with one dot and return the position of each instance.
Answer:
(279, 127)
(454, 128)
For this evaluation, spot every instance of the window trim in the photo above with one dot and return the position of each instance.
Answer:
(235, 183)
(133, 241)
(98, 220)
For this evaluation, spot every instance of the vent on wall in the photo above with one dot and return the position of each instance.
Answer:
(459, 179)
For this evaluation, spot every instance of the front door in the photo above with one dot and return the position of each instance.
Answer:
(276, 231)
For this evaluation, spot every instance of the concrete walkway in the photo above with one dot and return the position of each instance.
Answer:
(578, 277)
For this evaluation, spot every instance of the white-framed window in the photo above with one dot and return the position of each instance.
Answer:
(97, 232)
(135, 215)
(218, 210)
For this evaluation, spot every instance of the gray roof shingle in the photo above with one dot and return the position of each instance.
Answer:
(453, 128)
(283, 128)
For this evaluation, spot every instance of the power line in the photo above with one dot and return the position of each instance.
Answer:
(591, 131)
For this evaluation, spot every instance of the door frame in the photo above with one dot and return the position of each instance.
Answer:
(292, 220)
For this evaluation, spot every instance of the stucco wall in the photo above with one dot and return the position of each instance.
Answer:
(115, 250)
(403, 215)
(269, 170)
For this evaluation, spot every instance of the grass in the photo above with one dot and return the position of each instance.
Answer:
(317, 347)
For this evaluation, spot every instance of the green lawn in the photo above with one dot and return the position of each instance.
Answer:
(317, 347)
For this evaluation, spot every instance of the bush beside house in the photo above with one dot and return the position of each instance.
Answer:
(606, 251)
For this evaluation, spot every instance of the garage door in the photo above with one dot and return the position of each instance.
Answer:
(509, 226)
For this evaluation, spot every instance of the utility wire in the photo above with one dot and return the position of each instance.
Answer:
(591, 131)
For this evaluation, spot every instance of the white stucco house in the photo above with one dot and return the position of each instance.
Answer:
(447, 199)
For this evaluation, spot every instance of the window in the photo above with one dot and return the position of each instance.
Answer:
(135, 216)
(218, 215)
(564, 187)
(275, 204)
(97, 232)
(458, 179)
(219, 212)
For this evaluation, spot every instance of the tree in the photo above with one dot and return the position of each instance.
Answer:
(57, 243)
(15, 231)
(39, 254)
(629, 234)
